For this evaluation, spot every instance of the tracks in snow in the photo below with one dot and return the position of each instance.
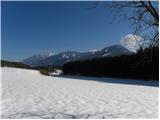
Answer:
(27, 94)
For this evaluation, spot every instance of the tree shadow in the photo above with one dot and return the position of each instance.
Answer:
(151, 83)
(51, 115)
(56, 115)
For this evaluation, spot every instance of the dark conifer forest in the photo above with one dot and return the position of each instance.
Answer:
(142, 65)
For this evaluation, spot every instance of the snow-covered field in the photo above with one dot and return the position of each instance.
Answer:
(28, 94)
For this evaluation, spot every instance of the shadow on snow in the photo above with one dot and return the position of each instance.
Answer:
(151, 83)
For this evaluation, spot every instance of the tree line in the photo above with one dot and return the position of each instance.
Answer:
(5, 63)
(45, 70)
(142, 65)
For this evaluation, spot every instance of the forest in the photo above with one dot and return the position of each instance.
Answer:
(142, 65)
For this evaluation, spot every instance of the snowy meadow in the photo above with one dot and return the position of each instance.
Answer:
(28, 94)
(79, 59)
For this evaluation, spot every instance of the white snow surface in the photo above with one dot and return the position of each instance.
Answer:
(106, 54)
(28, 94)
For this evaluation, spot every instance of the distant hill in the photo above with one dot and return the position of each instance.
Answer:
(33, 60)
(68, 56)
(5, 63)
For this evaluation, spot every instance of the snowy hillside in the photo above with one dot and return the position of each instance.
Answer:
(33, 60)
(28, 94)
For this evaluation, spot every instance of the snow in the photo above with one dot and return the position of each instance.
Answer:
(73, 55)
(93, 51)
(56, 73)
(28, 94)
(106, 54)
(51, 54)
(65, 56)
(106, 50)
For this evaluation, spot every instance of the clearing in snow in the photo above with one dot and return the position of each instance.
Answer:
(28, 94)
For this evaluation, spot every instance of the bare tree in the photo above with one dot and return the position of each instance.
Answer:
(143, 15)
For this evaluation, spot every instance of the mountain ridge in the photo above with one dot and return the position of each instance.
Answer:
(63, 57)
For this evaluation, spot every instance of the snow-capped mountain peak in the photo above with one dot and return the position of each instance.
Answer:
(63, 57)
(51, 54)
(93, 50)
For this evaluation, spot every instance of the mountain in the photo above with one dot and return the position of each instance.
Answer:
(114, 50)
(60, 58)
(63, 57)
(33, 60)
(111, 51)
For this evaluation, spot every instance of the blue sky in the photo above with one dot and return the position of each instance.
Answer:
(30, 28)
